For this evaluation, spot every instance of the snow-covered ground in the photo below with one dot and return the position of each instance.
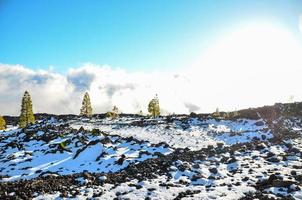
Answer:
(139, 158)
(192, 133)
(23, 156)
(217, 177)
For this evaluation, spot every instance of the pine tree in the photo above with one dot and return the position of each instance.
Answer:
(27, 115)
(86, 109)
(216, 113)
(153, 107)
(114, 113)
(140, 113)
(2, 123)
(115, 110)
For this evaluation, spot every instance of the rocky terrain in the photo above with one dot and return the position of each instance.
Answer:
(250, 154)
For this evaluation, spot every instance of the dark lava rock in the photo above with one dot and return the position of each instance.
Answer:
(273, 181)
(186, 193)
(293, 172)
(183, 167)
(294, 150)
(273, 159)
(195, 166)
(164, 144)
(81, 129)
(193, 115)
(257, 195)
(196, 177)
(232, 160)
(210, 147)
(297, 166)
(263, 137)
(183, 182)
(105, 140)
(121, 160)
(158, 154)
(259, 123)
(213, 170)
(88, 176)
(245, 178)
(151, 189)
(260, 146)
(219, 145)
(97, 194)
(289, 145)
(64, 194)
(270, 154)
(298, 178)
(224, 159)
(96, 131)
(143, 152)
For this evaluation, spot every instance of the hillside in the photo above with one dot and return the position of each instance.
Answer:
(253, 153)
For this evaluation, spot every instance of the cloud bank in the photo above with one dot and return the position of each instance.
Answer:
(56, 93)
(254, 66)
(183, 92)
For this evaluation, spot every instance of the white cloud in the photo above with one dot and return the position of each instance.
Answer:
(253, 66)
(50, 91)
(55, 93)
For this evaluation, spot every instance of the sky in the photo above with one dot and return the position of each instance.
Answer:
(196, 55)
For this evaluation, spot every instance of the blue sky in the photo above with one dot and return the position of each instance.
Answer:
(134, 35)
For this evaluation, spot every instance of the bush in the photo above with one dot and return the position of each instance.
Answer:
(86, 109)
(113, 114)
(193, 115)
(95, 132)
(153, 107)
(216, 114)
(27, 115)
(2, 123)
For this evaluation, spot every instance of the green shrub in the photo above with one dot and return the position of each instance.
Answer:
(27, 115)
(153, 107)
(2, 123)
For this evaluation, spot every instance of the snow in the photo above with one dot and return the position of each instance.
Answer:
(195, 134)
(36, 156)
(237, 172)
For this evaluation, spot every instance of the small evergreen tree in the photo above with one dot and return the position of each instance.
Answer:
(2, 123)
(114, 113)
(140, 113)
(27, 115)
(86, 109)
(216, 113)
(115, 110)
(153, 107)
